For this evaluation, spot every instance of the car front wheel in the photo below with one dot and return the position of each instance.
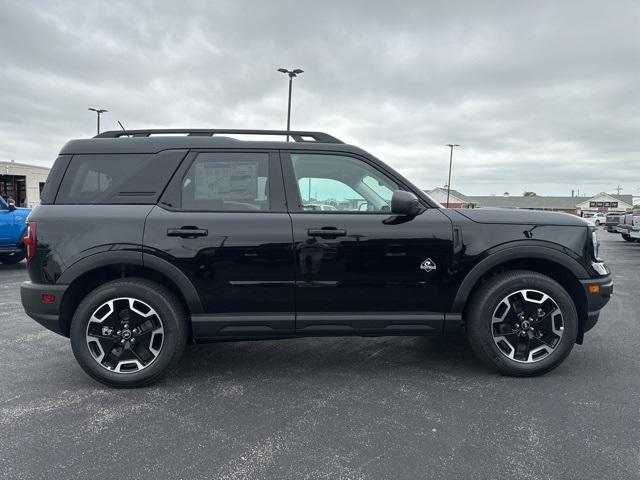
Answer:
(129, 332)
(522, 323)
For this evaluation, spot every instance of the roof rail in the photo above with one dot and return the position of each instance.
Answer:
(298, 136)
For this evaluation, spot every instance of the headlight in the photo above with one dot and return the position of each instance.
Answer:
(596, 245)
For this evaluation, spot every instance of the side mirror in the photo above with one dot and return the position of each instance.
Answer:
(12, 205)
(405, 203)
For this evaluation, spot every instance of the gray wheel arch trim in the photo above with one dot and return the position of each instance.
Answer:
(507, 254)
(136, 258)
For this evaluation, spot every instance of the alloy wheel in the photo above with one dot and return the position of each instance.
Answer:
(125, 335)
(527, 326)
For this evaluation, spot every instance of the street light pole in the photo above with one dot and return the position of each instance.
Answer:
(291, 74)
(451, 146)
(98, 112)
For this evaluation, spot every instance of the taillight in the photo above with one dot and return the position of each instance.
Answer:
(31, 241)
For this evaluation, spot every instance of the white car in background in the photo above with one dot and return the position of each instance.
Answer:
(596, 218)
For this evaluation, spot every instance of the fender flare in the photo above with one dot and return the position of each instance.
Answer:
(513, 253)
(130, 257)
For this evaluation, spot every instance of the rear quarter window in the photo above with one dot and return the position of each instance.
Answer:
(117, 178)
(48, 193)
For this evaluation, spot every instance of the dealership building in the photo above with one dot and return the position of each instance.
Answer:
(602, 202)
(22, 183)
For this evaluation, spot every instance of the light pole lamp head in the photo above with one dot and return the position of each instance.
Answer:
(98, 110)
(291, 73)
(451, 145)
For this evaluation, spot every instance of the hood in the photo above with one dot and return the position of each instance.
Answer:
(523, 217)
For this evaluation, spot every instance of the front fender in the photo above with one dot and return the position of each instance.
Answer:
(509, 253)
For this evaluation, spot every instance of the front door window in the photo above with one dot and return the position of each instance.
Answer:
(336, 183)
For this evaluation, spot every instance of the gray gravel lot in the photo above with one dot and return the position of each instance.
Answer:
(388, 407)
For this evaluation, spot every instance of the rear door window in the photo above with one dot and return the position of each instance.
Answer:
(227, 181)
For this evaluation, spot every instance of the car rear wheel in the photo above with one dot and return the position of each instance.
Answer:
(128, 333)
(522, 323)
(627, 237)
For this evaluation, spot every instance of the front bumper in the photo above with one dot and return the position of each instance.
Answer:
(598, 292)
(46, 314)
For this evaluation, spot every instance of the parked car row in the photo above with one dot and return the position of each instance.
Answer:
(628, 225)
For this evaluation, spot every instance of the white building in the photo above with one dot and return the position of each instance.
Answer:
(23, 183)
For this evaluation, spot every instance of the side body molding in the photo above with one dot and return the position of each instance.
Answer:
(508, 254)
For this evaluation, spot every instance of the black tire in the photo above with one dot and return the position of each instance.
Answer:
(597, 223)
(12, 258)
(486, 300)
(170, 314)
(627, 237)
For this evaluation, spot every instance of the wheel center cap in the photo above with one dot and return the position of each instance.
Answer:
(525, 325)
(126, 334)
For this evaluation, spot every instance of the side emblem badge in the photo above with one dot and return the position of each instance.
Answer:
(428, 265)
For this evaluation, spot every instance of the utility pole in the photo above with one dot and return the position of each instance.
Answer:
(451, 146)
(619, 189)
(291, 74)
(98, 112)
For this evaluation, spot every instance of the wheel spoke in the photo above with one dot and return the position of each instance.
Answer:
(148, 326)
(113, 354)
(503, 328)
(142, 353)
(522, 346)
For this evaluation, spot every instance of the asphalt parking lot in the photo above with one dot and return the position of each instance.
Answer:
(388, 407)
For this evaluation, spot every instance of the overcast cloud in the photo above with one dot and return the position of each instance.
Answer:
(543, 96)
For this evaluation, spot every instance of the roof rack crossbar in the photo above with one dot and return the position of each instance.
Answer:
(298, 136)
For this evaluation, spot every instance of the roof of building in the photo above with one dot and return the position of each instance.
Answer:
(16, 164)
(452, 193)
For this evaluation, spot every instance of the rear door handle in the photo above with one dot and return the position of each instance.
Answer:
(327, 232)
(187, 232)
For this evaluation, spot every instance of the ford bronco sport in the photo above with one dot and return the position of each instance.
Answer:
(149, 239)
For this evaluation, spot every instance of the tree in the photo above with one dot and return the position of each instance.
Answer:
(530, 194)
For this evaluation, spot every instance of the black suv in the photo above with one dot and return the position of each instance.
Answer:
(149, 239)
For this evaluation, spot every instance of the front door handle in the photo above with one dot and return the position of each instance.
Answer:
(327, 232)
(187, 232)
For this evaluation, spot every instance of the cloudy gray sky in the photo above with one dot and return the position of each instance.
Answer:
(543, 96)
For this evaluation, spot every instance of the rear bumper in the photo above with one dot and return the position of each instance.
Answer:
(596, 300)
(46, 314)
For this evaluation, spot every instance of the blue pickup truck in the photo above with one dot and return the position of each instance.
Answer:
(13, 227)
